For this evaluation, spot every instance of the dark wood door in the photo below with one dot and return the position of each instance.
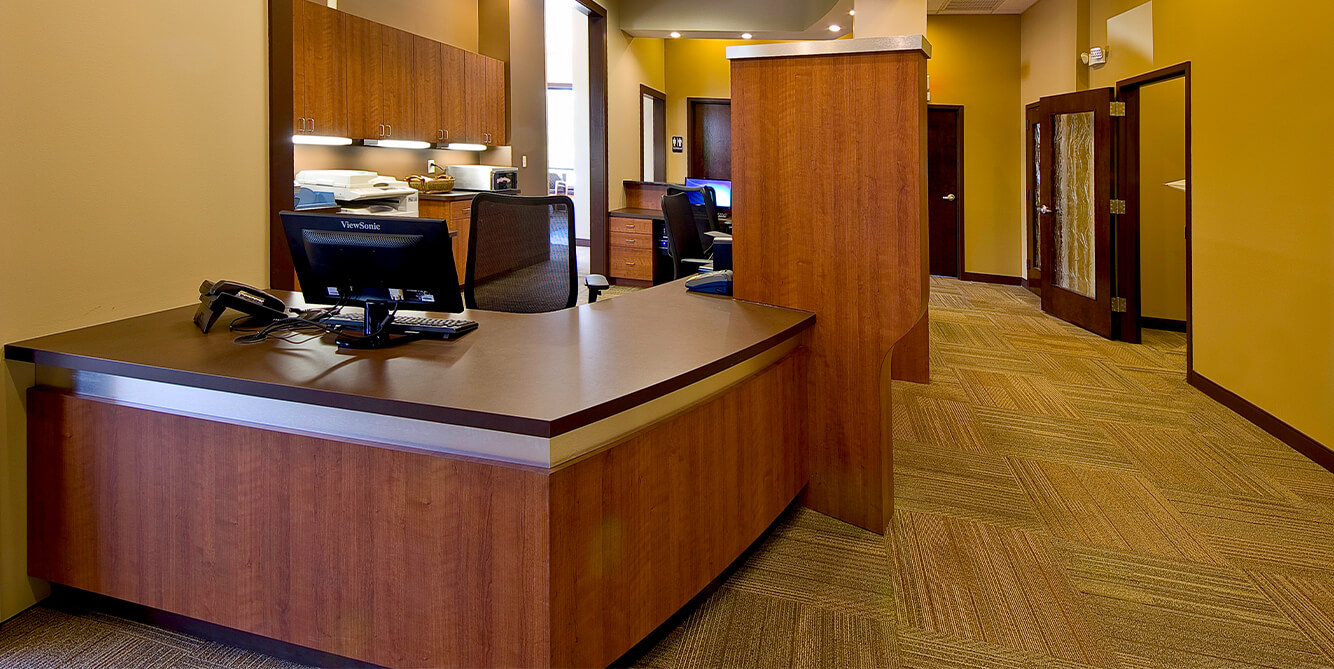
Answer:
(944, 188)
(1074, 213)
(365, 98)
(396, 75)
(710, 139)
(476, 104)
(493, 72)
(454, 94)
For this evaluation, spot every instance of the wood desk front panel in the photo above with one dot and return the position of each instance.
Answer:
(405, 559)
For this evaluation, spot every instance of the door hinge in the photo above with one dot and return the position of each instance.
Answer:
(1118, 108)
(1118, 206)
(1118, 305)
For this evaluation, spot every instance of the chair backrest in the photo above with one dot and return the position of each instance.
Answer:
(704, 208)
(682, 240)
(521, 254)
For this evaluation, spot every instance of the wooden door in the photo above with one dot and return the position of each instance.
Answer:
(319, 76)
(365, 91)
(710, 131)
(427, 97)
(495, 125)
(298, 67)
(396, 70)
(1075, 209)
(475, 102)
(944, 188)
(454, 94)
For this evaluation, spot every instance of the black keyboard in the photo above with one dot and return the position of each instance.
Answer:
(445, 327)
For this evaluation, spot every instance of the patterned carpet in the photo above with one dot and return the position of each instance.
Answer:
(1062, 501)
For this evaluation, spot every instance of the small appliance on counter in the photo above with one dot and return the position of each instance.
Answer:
(488, 178)
(362, 192)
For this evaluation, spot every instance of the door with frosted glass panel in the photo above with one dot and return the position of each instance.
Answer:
(1074, 209)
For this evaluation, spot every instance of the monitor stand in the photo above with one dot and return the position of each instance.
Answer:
(374, 313)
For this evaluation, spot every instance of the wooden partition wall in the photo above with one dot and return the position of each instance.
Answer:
(829, 215)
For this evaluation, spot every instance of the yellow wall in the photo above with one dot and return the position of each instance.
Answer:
(1162, 209)
(975, 63)
(449, 21)
(135, 136)
(1263, 246)
(696, 68)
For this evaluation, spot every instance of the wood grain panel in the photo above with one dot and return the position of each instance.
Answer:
(453, 103)
(706, 483)
(632, 263)
(427, 96)
(324, 78)
(644, 195)
(847, 241)
(632, 240)
(398, 84)
(365, 103)
(631, 225)
(378, 555)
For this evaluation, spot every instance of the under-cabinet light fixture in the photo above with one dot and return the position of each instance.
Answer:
(466, 147)
(321, 140)
(397, 143)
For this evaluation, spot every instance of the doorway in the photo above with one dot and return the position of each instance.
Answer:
(709, 128)
(652, 134)
(1032, 181)
(944, 160)
(568, 109)
(1110, 169)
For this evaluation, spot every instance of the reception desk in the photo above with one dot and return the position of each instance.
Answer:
(545, 491)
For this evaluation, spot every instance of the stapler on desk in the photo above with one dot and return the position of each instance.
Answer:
(716, 283)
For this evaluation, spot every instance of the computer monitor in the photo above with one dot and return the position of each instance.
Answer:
(722, 190)
(382, 263)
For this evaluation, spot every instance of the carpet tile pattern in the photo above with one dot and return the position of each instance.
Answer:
(1062, 501)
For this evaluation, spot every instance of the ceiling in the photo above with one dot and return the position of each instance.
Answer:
(728, 19)
(978, 6)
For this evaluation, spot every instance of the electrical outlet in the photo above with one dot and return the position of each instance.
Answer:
(525, 161)
(430, 167)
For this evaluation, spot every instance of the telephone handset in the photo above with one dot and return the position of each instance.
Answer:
(214, 298)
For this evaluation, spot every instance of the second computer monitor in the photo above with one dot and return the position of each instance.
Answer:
(722, 190)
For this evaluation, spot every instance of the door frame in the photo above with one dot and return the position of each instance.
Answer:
(963, 274)
(690, 126)
(1033, 271)
(659, 142)
(599, 237)
(1128, 189)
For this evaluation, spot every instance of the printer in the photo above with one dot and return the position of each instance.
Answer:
(362, 192)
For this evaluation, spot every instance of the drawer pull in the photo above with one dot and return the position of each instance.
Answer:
(629, 225)
(629, 263)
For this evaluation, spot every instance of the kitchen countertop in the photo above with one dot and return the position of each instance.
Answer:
(449, 196)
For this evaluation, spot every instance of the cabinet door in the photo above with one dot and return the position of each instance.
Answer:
(475, 97)
(319, 69)
(495, 102)
(364, 89)
(298, 67)
(454, 94)
(396, 78)
(427, 97)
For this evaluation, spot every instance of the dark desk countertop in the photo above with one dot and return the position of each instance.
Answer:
(450, 196)
(532, 374)
(636, 212)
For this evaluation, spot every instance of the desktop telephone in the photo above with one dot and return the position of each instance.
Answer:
(215, 298)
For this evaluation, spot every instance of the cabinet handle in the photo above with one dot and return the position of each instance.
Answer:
(468, 210)
(630, 225)
(446, 137)
(391, 131)
(312, 126)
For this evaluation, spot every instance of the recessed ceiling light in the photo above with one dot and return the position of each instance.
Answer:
(746, 35)
(834, 27)
(674, 34)
(852, 12)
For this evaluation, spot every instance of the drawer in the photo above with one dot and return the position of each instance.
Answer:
(631, 263)
(460, 210)
(631, 240)
(432, 209)
(632, 225)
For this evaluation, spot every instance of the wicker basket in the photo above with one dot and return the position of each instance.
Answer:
(425, 184)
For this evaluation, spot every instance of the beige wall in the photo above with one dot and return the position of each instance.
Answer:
(1162, 118)
(975, 63)
(135, 146)
(449, 21)
(631, 61)
(695, 68)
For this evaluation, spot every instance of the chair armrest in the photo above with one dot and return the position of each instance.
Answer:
(596, 283)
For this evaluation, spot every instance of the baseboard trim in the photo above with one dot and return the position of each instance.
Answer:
(1162, 324)
(1298, 440)
(991, 278)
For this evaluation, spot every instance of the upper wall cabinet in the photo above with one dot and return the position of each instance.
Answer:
(357, 78)
(380, 81)
(320, 78)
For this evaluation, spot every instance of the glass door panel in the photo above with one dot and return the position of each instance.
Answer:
(1075, 215)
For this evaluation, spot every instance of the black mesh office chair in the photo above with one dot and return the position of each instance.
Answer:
(704, 209)
(683, 243)
(521, 255)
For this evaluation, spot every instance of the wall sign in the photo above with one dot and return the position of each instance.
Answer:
(678, 144)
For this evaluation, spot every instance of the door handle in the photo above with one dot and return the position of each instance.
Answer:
(1044, 209)
(948, 198)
